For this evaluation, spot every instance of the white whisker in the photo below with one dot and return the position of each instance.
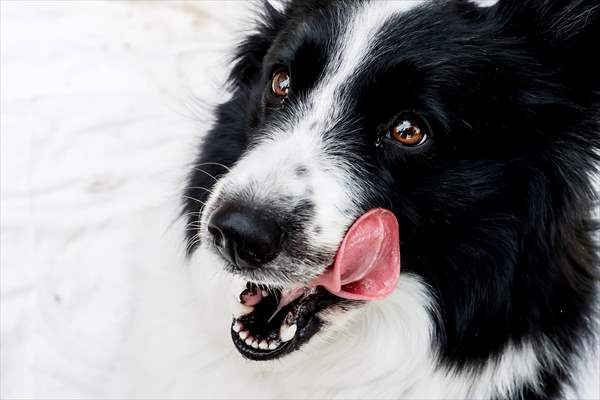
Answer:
(194, 199)
(217, 164)
(207, 173)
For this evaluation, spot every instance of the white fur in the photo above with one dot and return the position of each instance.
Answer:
(267, 174)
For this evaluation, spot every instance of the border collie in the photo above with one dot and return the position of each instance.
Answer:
(453, 141)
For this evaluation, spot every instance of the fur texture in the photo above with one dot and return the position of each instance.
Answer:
(499, 268)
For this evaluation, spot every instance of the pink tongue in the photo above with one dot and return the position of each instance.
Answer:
(367, 265)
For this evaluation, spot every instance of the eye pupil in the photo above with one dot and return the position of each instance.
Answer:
(281, 83)
(408, 133)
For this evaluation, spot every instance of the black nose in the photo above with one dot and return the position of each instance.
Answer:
(246, 237)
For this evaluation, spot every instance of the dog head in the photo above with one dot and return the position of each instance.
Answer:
(476, 127)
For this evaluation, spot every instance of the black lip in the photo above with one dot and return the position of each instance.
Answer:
(308, 325)
(256, 354)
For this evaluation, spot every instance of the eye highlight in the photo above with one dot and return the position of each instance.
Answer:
(409, 130)
(281, 83)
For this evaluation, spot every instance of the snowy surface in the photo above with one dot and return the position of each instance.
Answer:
(99, 119)
(98, 123)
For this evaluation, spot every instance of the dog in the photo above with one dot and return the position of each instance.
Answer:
(469, 134)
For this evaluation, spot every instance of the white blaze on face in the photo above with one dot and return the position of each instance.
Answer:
(353, 51)
(268, 172)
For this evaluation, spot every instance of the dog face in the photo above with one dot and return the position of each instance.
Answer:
(430, 110)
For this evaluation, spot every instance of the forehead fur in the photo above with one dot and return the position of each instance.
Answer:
(339, 42)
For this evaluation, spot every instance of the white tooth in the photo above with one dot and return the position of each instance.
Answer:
(242, 309)
(244, 334)
(237, 326)
(263, 345)
(286, 332)
(249, 340)
(273, 345)
(264, 293)
(255, 344)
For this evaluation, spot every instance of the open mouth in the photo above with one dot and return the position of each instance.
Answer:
(274, 322)
(267, 330)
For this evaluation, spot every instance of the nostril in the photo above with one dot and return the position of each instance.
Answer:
(222, 242)
(217, 235)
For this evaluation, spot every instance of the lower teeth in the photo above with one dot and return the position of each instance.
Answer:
(253, 342)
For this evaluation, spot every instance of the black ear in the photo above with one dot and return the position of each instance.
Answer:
(249, 54)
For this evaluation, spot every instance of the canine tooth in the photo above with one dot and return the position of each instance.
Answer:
(244, 334)
(243, 309)
(249, 340)
(237, 326)
(273, 345)
(263, 345)
(286, 332)
(264, 293)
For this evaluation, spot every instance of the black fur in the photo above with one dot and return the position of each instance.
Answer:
(495, 211)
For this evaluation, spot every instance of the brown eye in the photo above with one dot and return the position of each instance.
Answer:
(281, 83)
(408, 133)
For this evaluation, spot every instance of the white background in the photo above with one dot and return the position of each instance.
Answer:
(101, 109)
(102, 104)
